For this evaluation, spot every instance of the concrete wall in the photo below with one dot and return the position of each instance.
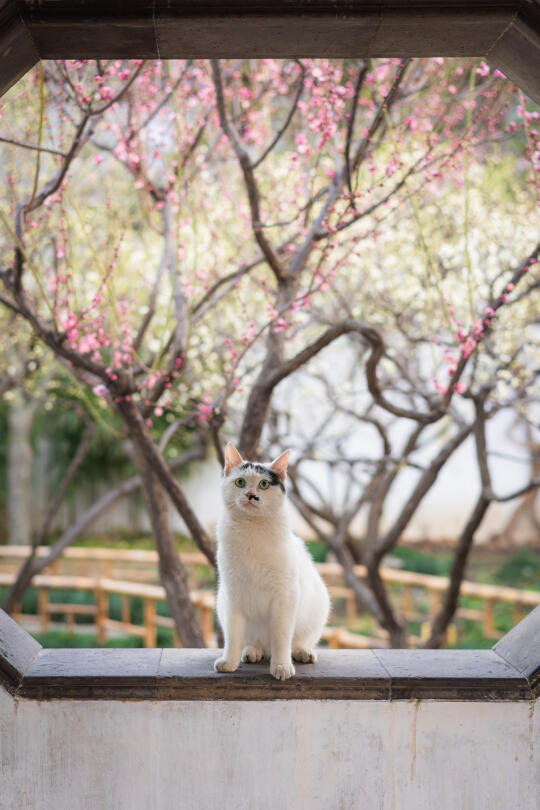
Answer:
(264, 755)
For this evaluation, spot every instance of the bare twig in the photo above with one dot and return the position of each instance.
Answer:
(289, 118)
(248, 175)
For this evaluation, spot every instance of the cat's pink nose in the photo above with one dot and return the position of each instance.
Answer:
(251, 496)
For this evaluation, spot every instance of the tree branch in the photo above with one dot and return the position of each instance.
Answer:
(350, 126)
(281, 132)
(249, 177)
(459, 563)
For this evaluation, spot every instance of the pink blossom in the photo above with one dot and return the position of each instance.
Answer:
(106, 92)
(483, 70)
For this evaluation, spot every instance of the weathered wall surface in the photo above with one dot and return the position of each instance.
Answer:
(290, 754)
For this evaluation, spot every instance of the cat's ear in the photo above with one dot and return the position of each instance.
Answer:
(279, 464)
(232, 458)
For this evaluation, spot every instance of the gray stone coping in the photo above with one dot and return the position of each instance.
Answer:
(18, 650)
(511, 671)
(521, 648)
(507, 32)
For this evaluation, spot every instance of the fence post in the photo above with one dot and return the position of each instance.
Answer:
(206, 614)
(406, 601)
(351, 609)
(126, 617)
(451, 635)
(333, 641)
(17, 612)
(43, 600)
(70, 622)
(434, 603)
(488, 618)
(102, 611)
(150, 623)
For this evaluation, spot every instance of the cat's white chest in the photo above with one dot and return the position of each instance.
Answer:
(255, 566)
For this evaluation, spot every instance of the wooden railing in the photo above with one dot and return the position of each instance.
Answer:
(101, 587)
(522, 601)
(110, 564)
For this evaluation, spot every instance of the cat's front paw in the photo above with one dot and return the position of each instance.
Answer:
(252, 655)
(282, 671)
(305, 656)
(223, 665)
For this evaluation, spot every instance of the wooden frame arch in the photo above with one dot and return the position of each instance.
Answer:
(505, 33)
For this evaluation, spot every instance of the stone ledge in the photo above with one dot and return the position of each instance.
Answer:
(521, 649)
(174, 674)
(509, 672)
(18, 649)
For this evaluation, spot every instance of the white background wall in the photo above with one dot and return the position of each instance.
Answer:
(440, 516)
(291, 755)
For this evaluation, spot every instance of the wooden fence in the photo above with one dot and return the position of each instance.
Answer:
(99, 571)
(101, 587)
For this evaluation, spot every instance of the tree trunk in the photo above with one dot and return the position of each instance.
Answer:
(260, 397)
(173, 574)
(144, 445)
(396, 625)
(451, 597)
(19, 475)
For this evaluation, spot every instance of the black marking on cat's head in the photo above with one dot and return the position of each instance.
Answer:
(273, 478)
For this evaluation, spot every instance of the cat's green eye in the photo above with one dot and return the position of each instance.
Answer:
(264, 484)
(240, 482)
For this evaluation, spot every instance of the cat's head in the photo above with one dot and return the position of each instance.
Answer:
(253, 489)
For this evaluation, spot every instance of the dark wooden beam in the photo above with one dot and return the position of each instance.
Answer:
(505, 32)
(517, 51)
(238, 28)
(17, 50)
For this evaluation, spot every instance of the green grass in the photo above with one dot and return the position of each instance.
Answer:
(423, 562)
(522, 570)
(318, 550)
(125, 540)
(61, 639)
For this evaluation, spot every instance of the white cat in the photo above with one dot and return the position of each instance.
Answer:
(271, 600)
